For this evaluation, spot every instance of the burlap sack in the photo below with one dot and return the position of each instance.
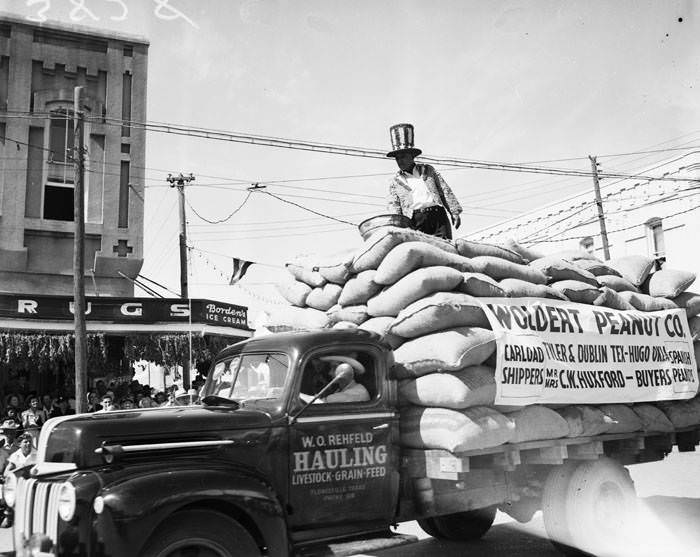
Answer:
(653, 419)
(527, 253)
(690, 301)
(337, 274)
(289, 318)
(444, 351)
(307, 276)
(610, 299)
(294, 292)
(359, 289)
(480, 285)
(379, 244)
(668, 283)
(635, 268)
(644, 302)
(618, 284)
(325, 297)
(353, 314)
(380, 325)
(680, 412)
(471, 386)
(560, 269)
(437, 312)
(577, 291)
(516, 288)
(624, 418)
(694, 324)
(576, 255)
(596, 268)
(500, 268)
(345, 325)
(584, 420)
(455, 431)
(414, 286)
(538, 422)
(409, 256)
(468, 248)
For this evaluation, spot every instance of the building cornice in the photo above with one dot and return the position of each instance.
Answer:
(85, 30)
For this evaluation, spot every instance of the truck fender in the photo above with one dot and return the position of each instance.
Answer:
(134, 508)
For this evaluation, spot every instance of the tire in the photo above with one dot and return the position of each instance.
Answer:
(554, 499)
(428, 526)
(465, 526)
(200, 533)
(601, 507)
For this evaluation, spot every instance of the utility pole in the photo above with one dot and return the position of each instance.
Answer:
(180, 182)
(79, 256)
(599, 203)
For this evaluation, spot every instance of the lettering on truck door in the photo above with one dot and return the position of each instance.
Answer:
(343, 461)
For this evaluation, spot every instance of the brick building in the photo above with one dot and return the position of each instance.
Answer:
(40, 64)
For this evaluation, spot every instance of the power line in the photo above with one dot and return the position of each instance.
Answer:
(305, 208)
(225, 218)
(550, 240)
(330, 148)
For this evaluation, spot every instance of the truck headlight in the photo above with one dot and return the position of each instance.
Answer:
(66, 502)
(9, 490)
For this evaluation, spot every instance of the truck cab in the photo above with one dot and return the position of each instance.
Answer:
(269, 461)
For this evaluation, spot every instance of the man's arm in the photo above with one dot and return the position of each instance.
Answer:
(393, 201)
(453, 206)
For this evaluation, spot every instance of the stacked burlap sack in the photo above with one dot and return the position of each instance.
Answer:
(419, 292)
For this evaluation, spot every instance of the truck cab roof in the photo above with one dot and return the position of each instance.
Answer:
(304, 340)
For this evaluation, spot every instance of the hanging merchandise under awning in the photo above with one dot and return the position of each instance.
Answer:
(36, 334)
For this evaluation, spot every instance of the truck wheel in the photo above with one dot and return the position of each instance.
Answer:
(200, 533)
(601, 506)
(554, 496)
(465, 526)
(428, 526)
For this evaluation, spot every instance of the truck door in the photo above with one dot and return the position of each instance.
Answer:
(343, 450)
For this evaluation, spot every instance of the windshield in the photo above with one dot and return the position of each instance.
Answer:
(249, 377)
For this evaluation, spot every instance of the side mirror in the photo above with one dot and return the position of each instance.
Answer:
(343, 372)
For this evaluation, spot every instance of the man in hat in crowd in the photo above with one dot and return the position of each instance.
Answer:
(418, 191)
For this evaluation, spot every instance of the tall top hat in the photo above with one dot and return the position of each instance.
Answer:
(402, 140)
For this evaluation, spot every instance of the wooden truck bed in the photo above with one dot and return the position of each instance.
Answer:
(436, 482)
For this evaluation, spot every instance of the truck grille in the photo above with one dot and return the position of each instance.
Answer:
(36, 510)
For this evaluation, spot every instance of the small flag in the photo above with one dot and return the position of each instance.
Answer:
(240, 266)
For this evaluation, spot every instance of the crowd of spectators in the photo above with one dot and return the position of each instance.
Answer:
(28, 413)
(23, 417)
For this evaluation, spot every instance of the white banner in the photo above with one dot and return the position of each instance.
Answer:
(550, 351)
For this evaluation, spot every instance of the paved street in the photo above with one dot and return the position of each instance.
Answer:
(670, 495)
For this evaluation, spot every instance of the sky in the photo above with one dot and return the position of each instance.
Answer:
(506, 81)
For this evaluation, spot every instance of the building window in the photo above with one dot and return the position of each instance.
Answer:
(655, 238)
(61, 137)
(126, 148)
(124, 196)
(587, 244)
(128, 51)
(58, 202)
(126, 104)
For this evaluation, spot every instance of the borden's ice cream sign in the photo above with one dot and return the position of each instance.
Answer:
(549, 351)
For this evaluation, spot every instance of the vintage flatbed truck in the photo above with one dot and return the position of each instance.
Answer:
(256, 470)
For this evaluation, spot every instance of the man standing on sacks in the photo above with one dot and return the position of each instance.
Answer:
(418, 191)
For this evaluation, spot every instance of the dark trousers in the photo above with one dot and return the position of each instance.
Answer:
(433, 221)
